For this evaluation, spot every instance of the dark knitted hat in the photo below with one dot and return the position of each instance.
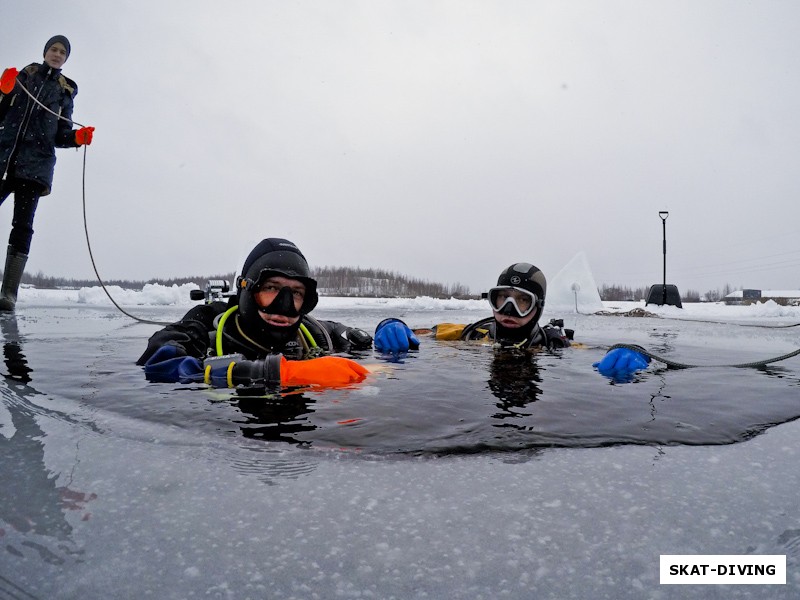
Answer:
(55, 39)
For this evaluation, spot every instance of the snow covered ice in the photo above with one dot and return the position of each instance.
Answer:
(131, 506)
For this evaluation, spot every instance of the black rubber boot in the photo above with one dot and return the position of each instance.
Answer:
(15, 265)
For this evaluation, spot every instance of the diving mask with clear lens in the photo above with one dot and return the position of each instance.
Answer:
(513, 301)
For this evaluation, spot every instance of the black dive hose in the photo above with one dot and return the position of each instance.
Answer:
(85, 226)
(671, 364)
(739, 324)
(640, 312)
(91, 256)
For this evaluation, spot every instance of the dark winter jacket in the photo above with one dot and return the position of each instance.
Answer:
(195, 336)
(29, 134)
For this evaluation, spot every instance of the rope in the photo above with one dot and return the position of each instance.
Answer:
(669, 363)
(640, 312)
(739, 324)
(85, 225)
(91, 257)
(36, 100)
(676, 365)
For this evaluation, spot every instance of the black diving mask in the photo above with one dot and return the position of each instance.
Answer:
(283, 304)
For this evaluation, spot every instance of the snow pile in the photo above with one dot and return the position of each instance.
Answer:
(150, 295)
(559, 301)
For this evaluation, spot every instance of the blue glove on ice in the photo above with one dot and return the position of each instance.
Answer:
(621, 363)
(392, 335)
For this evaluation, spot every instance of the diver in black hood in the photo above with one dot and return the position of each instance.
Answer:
(274, 291)
(517, 302)
(266, 321)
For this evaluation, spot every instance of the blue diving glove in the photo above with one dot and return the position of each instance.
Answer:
(621, 363)
(170, 364)
(392, 335)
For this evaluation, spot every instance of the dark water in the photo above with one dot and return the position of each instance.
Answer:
(487, 477)
(449, 397)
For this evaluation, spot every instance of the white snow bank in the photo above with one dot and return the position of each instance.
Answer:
(159, 295)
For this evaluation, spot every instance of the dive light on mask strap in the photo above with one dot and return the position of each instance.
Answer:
(282, 304)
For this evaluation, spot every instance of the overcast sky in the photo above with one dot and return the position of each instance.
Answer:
(444, 140)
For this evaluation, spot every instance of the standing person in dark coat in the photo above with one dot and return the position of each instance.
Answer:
(35, 118)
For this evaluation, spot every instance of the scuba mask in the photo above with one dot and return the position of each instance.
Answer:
(284, 299)
(273, 257)
(513, 301)
(282, 304)
(520, 289)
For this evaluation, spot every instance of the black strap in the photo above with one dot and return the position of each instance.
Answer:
(676, 365)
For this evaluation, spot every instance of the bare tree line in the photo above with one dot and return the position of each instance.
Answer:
(618, 293)
(364, 283)
(46, 282)
(378, 283)
(331, 281)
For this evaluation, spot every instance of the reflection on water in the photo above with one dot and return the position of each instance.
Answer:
(452, 398)
(449, 397)
(18, 368)
(276, 419)
(779, 372)
(457, 397)
(515, 380)
(31, 503)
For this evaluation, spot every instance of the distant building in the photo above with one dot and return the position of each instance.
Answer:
(750, 296)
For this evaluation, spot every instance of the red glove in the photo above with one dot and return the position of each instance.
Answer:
(8, 80)
(329, 371)
(84, 136)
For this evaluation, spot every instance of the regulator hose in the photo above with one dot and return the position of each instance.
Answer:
(85, 225)
(671, 364)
